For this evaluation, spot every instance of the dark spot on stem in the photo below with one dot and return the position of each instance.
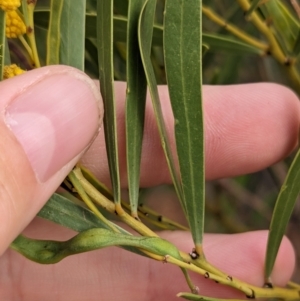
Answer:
(268, 285)
(252, 296)
(287, 62)
(159, 218)
(268, 52)
(116, 213)
(206, 275)
(29, 29)
(194, 255)
(229, 278)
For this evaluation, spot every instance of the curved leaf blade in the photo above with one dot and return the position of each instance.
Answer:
(285, 25)
(145, 37)
(183, 59)
(219, 42)
(106, 78)
(71, 213)
(67, 213)
(135, 104)
(282, 212)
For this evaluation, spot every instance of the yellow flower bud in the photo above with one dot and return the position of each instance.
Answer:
(14, 25)
(11, 71)
(7, 5)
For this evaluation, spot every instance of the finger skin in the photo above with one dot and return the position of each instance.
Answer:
(112, 273)
(247, 128)
(21, 194)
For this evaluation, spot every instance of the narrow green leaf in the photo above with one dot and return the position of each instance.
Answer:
(41, 36)
(72, 32)
(67, 213)
(106, 77)
(53, 38)
(49, 251)
(285, 25)
(145, 37)
(135, 104)
(291, 18)
(2, 42)
(219, 42)
(24, 10)
(183, 59)
(282, 212)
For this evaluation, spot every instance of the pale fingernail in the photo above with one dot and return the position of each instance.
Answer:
(54, 120)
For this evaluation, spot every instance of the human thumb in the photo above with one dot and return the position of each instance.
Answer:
(49, 116)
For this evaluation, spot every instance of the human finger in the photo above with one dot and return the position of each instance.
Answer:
(48, 117)
(247, 128)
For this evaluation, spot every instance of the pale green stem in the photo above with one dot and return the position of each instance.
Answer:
(31, 36)
(250, 291)
(26, 46)
(76, 183)
(108, 205)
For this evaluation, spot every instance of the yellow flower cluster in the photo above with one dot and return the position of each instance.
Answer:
(8, 5)
(11, 71)
(14, 25)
